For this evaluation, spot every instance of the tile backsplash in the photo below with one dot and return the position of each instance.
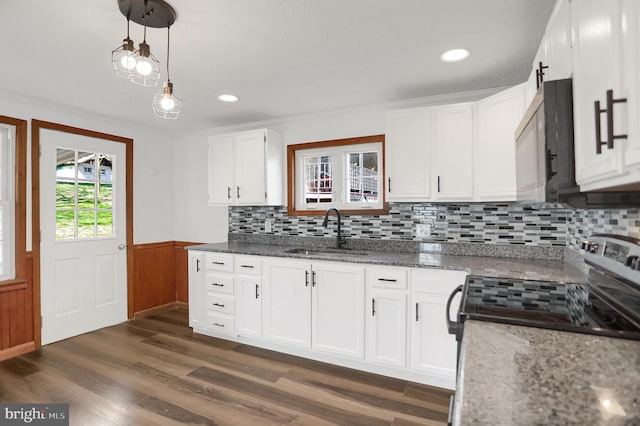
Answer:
(494, 223)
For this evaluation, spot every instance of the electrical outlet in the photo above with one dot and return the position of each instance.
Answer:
(268, 225)
(423, 230)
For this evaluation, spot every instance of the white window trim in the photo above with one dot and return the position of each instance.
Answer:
(340, 164)
(7, 201)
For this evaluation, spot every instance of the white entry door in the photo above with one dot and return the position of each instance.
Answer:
(83, 257)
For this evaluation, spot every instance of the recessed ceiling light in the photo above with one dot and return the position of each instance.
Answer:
(228, 98)
(455, 55)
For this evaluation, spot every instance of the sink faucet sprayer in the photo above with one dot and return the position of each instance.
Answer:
(340, 240)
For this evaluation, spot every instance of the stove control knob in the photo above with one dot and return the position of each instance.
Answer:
(593, 247)
(585, 245)
(633, 262)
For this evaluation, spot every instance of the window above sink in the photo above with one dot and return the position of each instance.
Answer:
(347, 174)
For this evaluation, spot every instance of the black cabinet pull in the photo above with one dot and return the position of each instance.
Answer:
(417, 314)
(438, 183)
(217, 285)
(256, 291)
(218, 325)
(313, 278)
(373, 307)
(610, 135)
(197, 265)
(228, 192)
(599, 141)
(540, 74)
(389, 280)
(218, 263)
(306, 278)
(389, 184)
(218, 304)
(247, 266)
(549, 160)
(238, 191)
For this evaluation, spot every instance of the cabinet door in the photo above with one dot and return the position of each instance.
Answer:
(250, 173)
(454, 151)
(249, 306)
(220, 172)
(196, 291)
(433, 349)
(338, 309)
(558, 43)
(387, 313)
(408, 155)
(287, 302)
(631, 82)
(498, 118)
(596, 58)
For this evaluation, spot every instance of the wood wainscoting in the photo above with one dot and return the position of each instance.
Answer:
(16, 315)
(160, 276)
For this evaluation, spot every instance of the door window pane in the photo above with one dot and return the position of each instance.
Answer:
(317, 179)
(84, 195)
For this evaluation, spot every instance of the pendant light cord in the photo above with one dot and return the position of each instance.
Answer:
(144, 21)
(168, 28)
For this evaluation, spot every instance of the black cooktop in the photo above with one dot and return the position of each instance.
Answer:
(582, 308)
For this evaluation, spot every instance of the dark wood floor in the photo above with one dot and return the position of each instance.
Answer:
(154, 371)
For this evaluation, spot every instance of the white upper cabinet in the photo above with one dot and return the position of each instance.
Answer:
(557, 41)
(605, 60)
(246, 168)
(408, 155)
(498, 118)
(453, 152)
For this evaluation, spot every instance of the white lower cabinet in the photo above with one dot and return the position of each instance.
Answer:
(319, 306)
(287, 302)
(387, 316)
(249, 297)
(433, 349)
(196, 280)
(383, 319)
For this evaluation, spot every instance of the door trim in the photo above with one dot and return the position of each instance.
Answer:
(36, 125)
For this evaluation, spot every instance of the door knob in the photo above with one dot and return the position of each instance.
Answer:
(121, 247)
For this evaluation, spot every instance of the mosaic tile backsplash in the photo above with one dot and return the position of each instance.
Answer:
(460, 223)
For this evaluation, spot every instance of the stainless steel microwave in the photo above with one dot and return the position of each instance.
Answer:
(545, 162)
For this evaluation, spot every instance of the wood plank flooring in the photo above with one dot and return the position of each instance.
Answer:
(155, 371)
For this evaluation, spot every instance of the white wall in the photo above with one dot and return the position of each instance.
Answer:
(153, 164)
(197, 222)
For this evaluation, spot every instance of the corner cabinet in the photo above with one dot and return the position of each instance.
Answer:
(382, 319)
(606, 68)
(246, 168)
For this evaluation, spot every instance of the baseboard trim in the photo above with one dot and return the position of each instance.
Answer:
(17, 350)
(157, 309)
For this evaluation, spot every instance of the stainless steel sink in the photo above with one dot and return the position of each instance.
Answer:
(325, 251)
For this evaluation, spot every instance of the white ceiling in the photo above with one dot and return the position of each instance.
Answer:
(281, 57)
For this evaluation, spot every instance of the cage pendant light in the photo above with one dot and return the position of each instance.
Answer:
(147, 67)
(166, 104)
(121, 57)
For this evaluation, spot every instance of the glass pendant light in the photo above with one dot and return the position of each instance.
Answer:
(166, 104)
(147, 68)
(122, 59)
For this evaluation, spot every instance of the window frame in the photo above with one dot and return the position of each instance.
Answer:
(20, 203)
(293, 209)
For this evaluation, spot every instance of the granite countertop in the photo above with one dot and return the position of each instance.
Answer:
(545, 377)
(534, 269)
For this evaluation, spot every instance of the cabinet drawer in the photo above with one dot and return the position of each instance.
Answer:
(436, 281)
(219, 303)
(248, 265)
(219, 322)
(219, 262)
(219, 283)
(387, 278)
